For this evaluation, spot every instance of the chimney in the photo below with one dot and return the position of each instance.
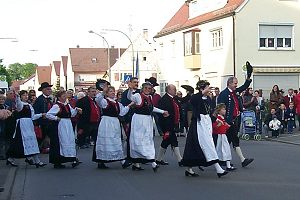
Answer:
(145, 34)
(78, 46)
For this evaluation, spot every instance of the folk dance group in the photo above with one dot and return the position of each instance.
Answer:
(207, 141)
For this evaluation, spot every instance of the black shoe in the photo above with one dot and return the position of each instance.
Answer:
(222, 174)
(11, 163)
(40, 164)
(190, 174)
(76, 163)
(161, 162)
(180, 164)
(126, 164)
(247, 161)
(102, 166)
(201, 168)
(59, 166)
(155, 168)
(230, 169)
(135, 168)
(30, 162)
(1, 189)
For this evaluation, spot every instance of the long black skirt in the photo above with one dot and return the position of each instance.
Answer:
(54, 153)
(193, 154)
(16, 148)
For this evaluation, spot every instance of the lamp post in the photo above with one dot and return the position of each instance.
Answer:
(130, 43)
(108, 54)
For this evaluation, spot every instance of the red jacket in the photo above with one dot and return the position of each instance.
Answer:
(287, 100)
(220, 129)
(297, 103)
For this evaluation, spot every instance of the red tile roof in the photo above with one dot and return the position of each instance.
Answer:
(44, 74)
(64, 60)
(56, 65)
(92, 59)
(180, 20)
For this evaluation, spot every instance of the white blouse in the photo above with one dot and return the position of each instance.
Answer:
(51, 114)
(102, 102)
(19, 107)
(137, 99)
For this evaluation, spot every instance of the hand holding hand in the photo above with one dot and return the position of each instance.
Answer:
(80, 131)
(79, 110)
(44, 115)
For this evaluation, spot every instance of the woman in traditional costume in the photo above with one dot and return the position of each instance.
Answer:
(108, 146)
(24, 142)
(199, 148)
(62, 139)
(141, 135)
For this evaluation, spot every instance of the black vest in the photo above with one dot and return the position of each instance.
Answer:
(24, 113)
(112, 109)
(64, 112)
(146, 106)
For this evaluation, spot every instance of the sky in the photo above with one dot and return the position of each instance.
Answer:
(46, 29)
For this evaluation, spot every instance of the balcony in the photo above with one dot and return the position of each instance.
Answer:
(192, 61)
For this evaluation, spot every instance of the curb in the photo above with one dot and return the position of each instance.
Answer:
(283, 141)
(8, 185)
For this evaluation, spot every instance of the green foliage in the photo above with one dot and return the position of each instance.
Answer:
(19, 71)
(4, 75)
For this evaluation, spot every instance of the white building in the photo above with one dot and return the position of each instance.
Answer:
(29, 83)
(213, 39)
(145, 67)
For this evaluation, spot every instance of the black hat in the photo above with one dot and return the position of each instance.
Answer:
(152, 80)
(100, 84)
(44, 85)
(201, 84)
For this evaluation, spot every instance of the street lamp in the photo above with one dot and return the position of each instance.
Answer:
(130, 43)
(108, 54)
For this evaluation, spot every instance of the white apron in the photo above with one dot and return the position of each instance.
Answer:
(223, 148)
(141, 137)
(109, 143)
(28, 136)
(204, 132)
(66, 138)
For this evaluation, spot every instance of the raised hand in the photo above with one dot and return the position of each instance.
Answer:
(249, 69)
(166, 114)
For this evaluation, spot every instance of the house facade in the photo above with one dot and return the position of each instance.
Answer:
(144, 65)
(213, 39)
(89, 64)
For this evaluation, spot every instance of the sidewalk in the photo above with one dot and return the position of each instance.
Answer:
(287, 138)
(7, 177)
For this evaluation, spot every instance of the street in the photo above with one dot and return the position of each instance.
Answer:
(274, 174)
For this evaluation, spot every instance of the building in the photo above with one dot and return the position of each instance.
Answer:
(29, 83)
(89, 64)
(213, 39)
(144, 65)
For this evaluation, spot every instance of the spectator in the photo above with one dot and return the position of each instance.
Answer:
(275, 97)
(297, 105)
(269, 117)
(289, 98)
(178, 99)
(281, 112)
(4, 115)
(80, 95)
(119, 95)
(215, 98)
(290, 118)
(249, 101)
(259, 109)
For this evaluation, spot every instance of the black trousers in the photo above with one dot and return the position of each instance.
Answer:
(232, 133)
(171, 140)
(90, 131)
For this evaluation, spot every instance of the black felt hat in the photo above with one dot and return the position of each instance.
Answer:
(44, 85)
(152, 80)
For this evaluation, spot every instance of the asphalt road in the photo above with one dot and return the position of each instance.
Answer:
(275, 174)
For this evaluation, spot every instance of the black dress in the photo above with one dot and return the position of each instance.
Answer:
(199, 148)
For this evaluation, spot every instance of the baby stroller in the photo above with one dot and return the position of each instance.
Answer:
(249, 125)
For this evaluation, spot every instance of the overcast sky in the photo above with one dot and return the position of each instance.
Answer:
(45, 29)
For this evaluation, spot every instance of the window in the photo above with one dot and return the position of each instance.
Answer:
(275, 36)
(173, 48)
(197, 43)
(191, 42)
(217, 38)
(188, 43)
(81, 78)
(117, 77)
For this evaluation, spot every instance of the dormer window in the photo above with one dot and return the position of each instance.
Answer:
(94, 60)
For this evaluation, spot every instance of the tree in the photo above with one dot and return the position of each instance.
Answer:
(4, 75)
(19, 71)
